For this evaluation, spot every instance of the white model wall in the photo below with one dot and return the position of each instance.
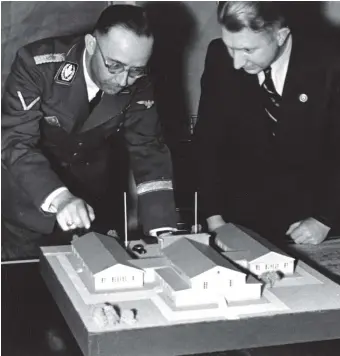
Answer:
(119, 277)
(245, 292)
(286, 267)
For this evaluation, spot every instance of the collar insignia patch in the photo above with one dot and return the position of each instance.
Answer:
(66, 73)
(147, 103)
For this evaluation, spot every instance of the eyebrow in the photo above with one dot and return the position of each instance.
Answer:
(242, 48)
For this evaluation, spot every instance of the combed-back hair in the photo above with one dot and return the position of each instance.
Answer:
(130, 17)
(254, 15)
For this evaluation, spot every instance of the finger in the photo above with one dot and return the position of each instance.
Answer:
(74, 217)
(298, 233)
(90, 212)
(293, 227)
(302, 236)
(301, 240)
(73, 220)
(64, 219)
(62, 222)
(84, 216)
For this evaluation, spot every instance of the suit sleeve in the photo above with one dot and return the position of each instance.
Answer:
(151, 162)
(21, 115)
(329, 208)
(209, 134)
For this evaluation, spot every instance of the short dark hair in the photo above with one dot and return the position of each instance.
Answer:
(254, 15)
(130, 17)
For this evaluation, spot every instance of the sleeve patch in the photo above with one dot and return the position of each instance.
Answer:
(153, 186)
(49, 58)
(23, 103)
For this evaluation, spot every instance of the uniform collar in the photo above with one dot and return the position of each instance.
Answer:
(92, 88)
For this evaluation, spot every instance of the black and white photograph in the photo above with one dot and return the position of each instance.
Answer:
(170, 178)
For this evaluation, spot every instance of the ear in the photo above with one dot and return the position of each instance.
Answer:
(281, 35)
(90, 44)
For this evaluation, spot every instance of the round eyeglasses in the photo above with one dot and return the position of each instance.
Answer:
(117, 67)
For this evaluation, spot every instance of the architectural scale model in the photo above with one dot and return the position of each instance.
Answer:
(256, 257)
(180, 279)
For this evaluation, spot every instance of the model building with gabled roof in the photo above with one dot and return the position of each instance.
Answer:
(194, 260)
(206, 274)
(106, 262)
(250, 253)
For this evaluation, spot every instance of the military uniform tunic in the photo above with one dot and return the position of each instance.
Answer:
(50, 139)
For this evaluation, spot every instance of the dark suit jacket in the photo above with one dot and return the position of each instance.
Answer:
(50, 138)
(245, 174)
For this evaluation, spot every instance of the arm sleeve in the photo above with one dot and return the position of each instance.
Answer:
(329, 208)
(46, 206)
(151, 163)
(207, 139)
(21, 114)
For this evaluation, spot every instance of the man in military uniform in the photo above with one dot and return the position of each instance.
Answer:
(64, 100)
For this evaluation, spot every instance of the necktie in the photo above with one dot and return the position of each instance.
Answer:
(95, 101)
(272, 100)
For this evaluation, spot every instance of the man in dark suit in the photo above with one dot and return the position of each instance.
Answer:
(65, 100)
(268, 132)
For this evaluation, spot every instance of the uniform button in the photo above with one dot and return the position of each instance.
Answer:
(87, 163)
(80, 143)
(75, 154)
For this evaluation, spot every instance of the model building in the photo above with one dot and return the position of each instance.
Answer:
(252, 254)
(105, 262)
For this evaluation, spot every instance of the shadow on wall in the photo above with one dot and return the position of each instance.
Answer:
(319, 19)
(174, 26)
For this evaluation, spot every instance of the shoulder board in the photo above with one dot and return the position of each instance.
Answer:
(49, 58)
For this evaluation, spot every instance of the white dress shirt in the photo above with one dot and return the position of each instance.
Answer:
(279, 68)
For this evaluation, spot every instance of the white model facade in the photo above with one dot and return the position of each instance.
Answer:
(119, 276)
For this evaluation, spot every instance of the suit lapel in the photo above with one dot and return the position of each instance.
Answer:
(296, 92)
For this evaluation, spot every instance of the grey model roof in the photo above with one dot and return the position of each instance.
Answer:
(172, 279)
(194, 258)
(238, 240)
(100, 252)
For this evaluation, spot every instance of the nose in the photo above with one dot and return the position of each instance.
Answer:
(239, 60)
(122, 78)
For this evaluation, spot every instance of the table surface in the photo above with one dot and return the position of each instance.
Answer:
(33, 325)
